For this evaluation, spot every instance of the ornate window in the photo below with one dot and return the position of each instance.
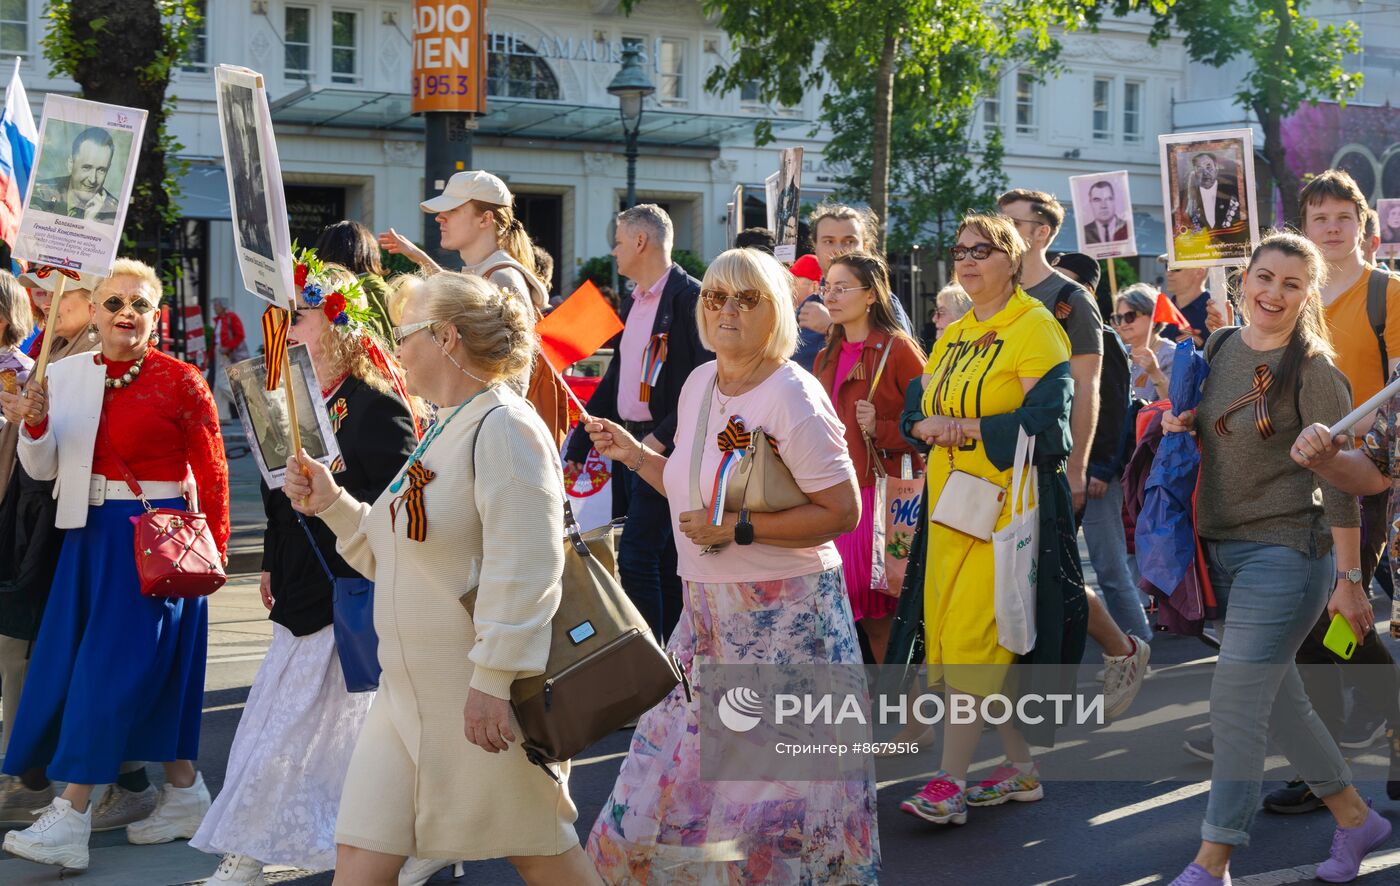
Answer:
(516, 71)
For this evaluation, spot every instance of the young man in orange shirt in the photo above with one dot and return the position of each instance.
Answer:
(1333, 215)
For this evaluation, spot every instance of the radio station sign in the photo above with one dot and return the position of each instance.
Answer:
(449, 65)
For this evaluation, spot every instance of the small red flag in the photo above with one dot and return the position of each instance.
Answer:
(1166, 312)
(582, 324)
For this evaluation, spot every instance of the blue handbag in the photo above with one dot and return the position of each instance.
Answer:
(352, 609)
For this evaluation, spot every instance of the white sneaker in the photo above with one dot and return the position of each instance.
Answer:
(417, 871)
(59, 837)
(238, 869)
(1123, 676)
(178, 814)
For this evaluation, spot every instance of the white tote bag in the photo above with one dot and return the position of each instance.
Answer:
(1015, 549)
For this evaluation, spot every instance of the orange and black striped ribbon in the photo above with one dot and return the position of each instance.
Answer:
(275, 323)
(412, 502)
(44, 271)
(736, 436)
(1258, 395)
(653, 360)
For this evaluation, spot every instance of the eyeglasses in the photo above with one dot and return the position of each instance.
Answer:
(979, 251)
(399, 333)
(140, 304)
(1026, 221)
(939, 312)
(716, 299)
(840, 291)
(1124, 318)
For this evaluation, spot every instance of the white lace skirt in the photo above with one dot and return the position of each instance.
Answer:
(287, 765)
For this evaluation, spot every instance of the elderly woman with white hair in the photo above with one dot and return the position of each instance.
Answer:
(116, 674)
(1152, 354)
(760, 589)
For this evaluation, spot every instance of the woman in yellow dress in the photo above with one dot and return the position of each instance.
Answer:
(999, 368)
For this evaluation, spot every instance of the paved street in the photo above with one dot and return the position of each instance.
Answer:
(1138, 829)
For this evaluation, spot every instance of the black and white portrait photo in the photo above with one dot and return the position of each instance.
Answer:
(1208, 189)
(264, 414)
(245, 168)
(789, 205)
(1103, 213)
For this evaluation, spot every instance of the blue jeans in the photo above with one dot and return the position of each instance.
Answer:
(1108, 552)
(1272, 596)
(646, 559)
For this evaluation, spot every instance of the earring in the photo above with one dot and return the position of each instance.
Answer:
(92, 332)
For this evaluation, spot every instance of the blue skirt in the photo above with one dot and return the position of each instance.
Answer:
(114, 675)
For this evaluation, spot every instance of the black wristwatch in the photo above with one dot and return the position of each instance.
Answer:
(743, 530)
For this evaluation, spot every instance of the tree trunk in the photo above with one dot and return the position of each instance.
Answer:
(1270, 113)
(126, 70)
(880, 137)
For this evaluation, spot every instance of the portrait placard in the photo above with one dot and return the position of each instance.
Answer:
(1389, 212)
(264, 415)
(1208, 192)
(770, 199)
(81, 186)
(259, 206)
(736, 217)
(1103, 214)
(788, 205)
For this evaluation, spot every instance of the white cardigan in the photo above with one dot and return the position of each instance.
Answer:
(64, 452)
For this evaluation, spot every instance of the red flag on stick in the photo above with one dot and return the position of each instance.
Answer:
(1166, 312)
(582, 324)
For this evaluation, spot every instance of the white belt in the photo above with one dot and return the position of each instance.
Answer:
(101, 490)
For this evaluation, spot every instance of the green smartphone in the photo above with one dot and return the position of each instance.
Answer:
(1340, 638)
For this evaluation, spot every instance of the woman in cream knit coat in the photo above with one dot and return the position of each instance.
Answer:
(437, 772)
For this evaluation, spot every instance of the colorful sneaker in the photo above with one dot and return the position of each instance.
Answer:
(120, 807)
(1007, 783)
(177, 816)
(941, 801)
(1195, 875)
(60, 837)
(18, 804)
(1350, 846)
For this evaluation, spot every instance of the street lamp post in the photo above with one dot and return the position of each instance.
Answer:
(631, 85)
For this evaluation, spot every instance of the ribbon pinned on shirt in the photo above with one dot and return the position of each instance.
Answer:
(653, 359)
(1258, 395)
(411, 501)
(733, 442)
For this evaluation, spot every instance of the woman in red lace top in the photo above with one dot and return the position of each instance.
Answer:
(116, 675)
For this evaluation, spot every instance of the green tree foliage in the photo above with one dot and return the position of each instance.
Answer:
(932, 59)
(1293, 59)
(123, 52)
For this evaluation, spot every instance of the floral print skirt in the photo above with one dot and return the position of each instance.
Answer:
(666, 826)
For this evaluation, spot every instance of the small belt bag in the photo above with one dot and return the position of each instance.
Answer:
(175, 552)
(968, 504)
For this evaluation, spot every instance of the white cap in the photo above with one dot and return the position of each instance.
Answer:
(464, 186)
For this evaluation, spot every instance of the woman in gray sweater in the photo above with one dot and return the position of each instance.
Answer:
(1278, 551)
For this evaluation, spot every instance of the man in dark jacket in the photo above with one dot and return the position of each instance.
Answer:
(658, 348)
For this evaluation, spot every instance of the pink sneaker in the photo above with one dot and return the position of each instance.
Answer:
(941, 801)
(1007, 783)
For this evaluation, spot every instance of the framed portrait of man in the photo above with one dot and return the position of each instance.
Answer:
(1389, 212)
(788, 208)
(78, 195)
(261, 230)
(1103, 214)
(1208, 192)
(264, 415)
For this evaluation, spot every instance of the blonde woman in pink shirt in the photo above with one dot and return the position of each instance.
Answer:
(771, 592)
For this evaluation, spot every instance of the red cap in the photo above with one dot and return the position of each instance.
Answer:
(807, 266)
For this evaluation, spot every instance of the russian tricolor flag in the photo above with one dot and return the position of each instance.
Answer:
(19, 138)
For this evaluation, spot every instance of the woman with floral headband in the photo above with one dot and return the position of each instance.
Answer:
(287, 765)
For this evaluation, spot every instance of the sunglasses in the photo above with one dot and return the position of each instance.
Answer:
(716, 299)
(399, 333)
(979, 251)
(1124, 318)
(139, 304)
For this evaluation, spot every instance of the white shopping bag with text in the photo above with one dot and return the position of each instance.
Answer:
(1015, 549)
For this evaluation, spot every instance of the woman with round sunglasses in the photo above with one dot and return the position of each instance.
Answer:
(1002, 368)
(116, 675)
(867, 364)
(761, 590)
(1152, 355)
(287, 764)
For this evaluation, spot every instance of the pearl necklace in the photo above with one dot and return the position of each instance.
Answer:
(126, 378)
